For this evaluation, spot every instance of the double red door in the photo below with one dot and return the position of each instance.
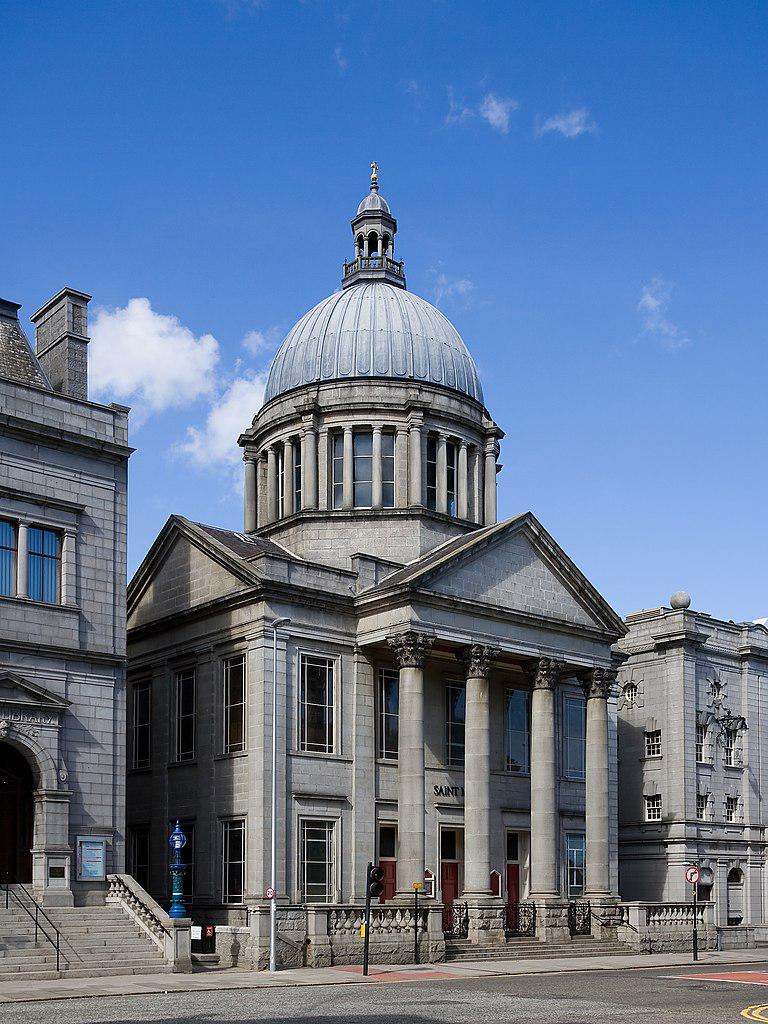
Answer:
(449, 884)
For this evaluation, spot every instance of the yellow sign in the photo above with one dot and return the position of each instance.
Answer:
(418, 885)
(362, 930)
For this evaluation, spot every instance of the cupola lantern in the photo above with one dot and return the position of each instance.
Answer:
(374, 229)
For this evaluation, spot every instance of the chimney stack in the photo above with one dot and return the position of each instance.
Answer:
(61, 341)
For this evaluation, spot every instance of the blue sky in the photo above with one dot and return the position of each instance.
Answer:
(580, 186)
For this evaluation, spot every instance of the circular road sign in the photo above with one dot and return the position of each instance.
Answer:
(270, 893)
(692, 875)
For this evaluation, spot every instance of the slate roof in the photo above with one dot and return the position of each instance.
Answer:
(243, 545)
(17, 360)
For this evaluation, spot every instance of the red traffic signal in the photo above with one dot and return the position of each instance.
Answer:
(375, 881)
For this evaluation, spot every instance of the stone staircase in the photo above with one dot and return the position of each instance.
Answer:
(458, 950)
(94, 942)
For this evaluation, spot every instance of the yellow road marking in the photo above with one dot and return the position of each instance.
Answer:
(759, 1012)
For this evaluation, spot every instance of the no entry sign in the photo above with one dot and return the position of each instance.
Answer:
(692, 875)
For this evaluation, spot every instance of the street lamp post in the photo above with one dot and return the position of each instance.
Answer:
(177, 841)
(273, 873)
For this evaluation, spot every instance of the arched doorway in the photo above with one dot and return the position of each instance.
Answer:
(16, 815)
(735, 896)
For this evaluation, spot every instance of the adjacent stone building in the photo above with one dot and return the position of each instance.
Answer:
(63, 487)
(443, 680)
(693, 762)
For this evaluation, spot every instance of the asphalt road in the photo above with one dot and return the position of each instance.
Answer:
(581, 998)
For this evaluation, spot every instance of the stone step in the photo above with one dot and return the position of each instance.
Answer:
(94, 972)
(543, 953)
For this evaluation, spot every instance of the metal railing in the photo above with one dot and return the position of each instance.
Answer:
(456, 920)
(373, 263)
(579, 918)
(521, 919)
(12, 894)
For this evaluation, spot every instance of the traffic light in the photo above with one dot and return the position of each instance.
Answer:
(375, 883)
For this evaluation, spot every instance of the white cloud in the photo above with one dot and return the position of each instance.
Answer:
(571, 124)
(215, 443)
(149, 359)
(496, 110)
(451, 288)
(260, 342)
(341, 61)
(457, 111)
(652, 307)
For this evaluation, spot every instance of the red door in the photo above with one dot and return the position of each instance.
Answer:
(390, 879)
(449, 883)
(513, 897)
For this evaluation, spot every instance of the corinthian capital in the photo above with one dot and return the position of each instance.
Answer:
(411, 648)
(598, 682)
(545, 673)
(478, 659)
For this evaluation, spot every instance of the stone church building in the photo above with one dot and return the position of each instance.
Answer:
(63, 493)
(444, 680)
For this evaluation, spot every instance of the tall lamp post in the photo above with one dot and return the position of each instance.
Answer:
(273, 873)
(177, 841)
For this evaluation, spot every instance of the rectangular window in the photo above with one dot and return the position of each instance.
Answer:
(451, 474)
(653, 743)
(513, 847)
(280, 481)
(431, 471)
(142, 725)
(316, 704)
(729, 748)
(518, 730)
(701, 743)
(388, 470)
(44, 565)
(338, 470)
(234, 704)
(187, 856)
(185, 715)
(138, 854)
(574, 737)
(701, 806)
(389, 698)
(362, 463)
(8, 554)
(653, 808)
(233, 848)
(731, 808)
(317, 861)
(297, 475)
(388, 842)
(456, 695)
(575, 856)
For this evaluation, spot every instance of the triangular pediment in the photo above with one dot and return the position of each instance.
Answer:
(185, 568)
(516, 566)
(20, 692)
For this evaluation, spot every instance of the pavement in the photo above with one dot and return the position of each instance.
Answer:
(237, 978)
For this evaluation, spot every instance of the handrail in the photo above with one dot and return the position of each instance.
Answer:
(38, 910)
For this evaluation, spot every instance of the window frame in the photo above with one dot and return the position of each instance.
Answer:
(328, 825)
(573, 890)
(702, 806)
(330, 745)
(526, 767)
(181, 676)
(580, 773)
(653, 803)
(383, 751)
(731, 810)
(228, 825)
(11, 572)
(702, 737)
(358, 481)
(451, 760)
(137, 687)
(452, 478)
(227, 747)
(652, 743)
(296, 476)
(135, 832)
(730, 739)
(46, 558)
(388, 439)
(430, 476)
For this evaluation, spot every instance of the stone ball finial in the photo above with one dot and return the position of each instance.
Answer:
(680, 600)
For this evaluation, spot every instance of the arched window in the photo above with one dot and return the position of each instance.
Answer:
(735, 896)
(359, 245)
(373, 244)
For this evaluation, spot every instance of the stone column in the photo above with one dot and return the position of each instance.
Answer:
(462, 482)
(323, 468)
(22, 561)
(401, 468)
(262, 509)
(415, 487)
(376, 499)
(442, 474)
(272, 489)
(69, 568)
(348, 499)
(597, 687)
(477, 484)
(289, 505)
(478, 660)
(544, 816)
(309, 467)
(491, 451)
(411, 650)
(250, 493)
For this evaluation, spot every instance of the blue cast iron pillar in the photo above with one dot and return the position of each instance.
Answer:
(178, 841)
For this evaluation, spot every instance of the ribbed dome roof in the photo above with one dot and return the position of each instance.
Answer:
(373, 329)
(373, 202)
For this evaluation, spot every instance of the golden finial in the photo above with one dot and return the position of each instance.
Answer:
(374, 175)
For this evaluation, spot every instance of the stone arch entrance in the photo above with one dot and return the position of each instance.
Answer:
(17, 786)
(735, 893)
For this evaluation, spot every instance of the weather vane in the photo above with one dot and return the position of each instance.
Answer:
(374, 173)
